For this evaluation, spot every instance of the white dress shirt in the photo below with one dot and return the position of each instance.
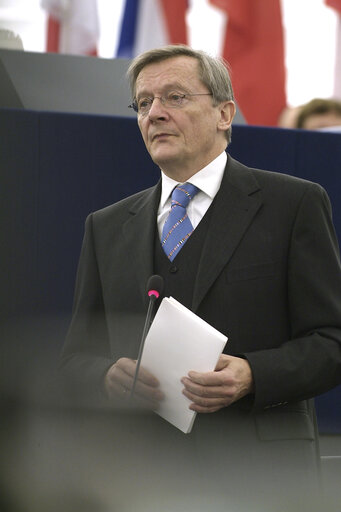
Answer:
(207, 180)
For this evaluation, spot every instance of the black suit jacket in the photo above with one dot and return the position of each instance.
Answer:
(269, 278)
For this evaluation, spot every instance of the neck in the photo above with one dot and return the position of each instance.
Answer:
(178, 172)
(179, 176)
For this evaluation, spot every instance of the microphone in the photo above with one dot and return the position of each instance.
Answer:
(155, 286)
(154, 290)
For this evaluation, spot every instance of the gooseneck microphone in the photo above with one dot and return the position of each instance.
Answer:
(154, 290)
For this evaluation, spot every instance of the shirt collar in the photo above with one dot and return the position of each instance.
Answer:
(207, 180)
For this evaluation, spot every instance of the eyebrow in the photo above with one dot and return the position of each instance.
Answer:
(169, 87)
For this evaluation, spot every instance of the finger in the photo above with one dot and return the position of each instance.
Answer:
(115, 390)
(202, 390)
(205, 379)
(148, 392)
(129, 367)
(118, 389)
(147, 378)
(118, 378)
(126, 365)
(121, 384)
(206, 405)
(207, 401)
(204, 410)
(143, 398)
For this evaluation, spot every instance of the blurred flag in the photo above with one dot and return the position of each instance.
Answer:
(149, 24)
(73, 26)
(336, 4)
(254, 48)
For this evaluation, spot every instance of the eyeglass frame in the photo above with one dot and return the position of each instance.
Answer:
(163, 100)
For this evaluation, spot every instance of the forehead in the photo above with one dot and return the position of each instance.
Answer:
(324, 120)
(182, 71)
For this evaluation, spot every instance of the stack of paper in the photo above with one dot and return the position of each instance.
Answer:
(179, 341)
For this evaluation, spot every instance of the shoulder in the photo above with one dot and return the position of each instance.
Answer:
(274, 182)
(123, 209)
(130, 203)
(109, 220)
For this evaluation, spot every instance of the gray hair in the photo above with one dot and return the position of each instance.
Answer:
(213, 72)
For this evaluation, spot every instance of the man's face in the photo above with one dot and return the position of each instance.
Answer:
(186, 138)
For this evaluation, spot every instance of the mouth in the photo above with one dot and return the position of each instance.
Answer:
(160, 136)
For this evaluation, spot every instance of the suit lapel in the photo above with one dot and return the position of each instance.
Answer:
(139, 232)
(234, 208)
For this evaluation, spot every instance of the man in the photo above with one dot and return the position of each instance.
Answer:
(260, 263)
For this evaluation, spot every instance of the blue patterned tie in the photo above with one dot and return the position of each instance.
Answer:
(178, 228)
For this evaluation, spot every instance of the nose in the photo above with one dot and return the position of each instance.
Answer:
(157, 110)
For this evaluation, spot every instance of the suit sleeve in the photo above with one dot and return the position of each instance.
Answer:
(310, 362)
(86, 355)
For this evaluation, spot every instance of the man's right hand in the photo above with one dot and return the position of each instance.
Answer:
(119, 381)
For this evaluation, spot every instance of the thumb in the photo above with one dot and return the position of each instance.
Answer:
(223, 361)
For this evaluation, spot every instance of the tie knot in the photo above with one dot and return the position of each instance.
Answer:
(182, 194)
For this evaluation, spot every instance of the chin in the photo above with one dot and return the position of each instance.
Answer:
(163, 157)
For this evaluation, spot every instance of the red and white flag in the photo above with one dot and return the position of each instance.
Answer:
(254, 48)
(336, 4)
(73, 26)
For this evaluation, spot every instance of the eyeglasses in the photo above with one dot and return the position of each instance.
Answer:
(171, 100)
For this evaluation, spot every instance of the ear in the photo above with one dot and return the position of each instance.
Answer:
(227, 110)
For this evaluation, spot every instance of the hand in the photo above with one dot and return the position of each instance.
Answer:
(119, 381)
(211, 391)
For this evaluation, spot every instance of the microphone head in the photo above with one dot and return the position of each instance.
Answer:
(155, 286)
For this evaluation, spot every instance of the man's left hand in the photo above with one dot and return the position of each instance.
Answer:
(211, 391)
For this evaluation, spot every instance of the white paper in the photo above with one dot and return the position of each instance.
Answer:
(179, 341)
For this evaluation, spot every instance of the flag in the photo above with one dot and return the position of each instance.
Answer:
(73, 26)
(150, 24)
(336, 4)
(254, 49)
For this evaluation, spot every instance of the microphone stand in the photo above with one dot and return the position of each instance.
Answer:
(152, 298)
